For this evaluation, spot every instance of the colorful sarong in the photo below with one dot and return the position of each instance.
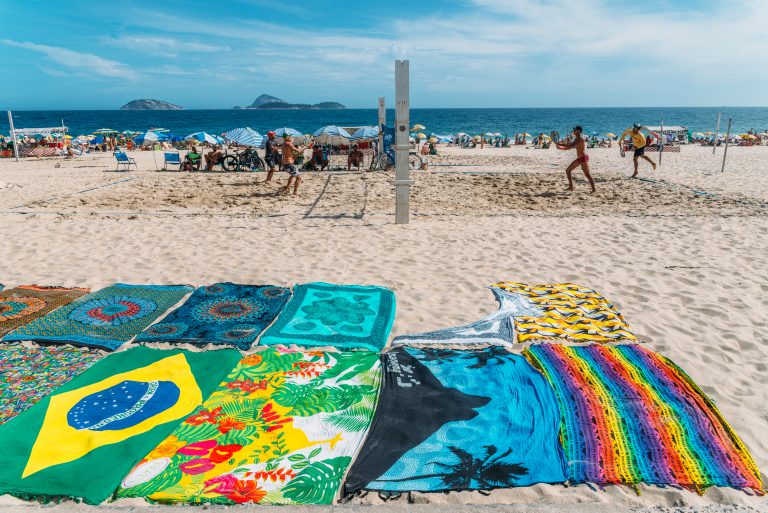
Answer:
(343, 316)
(223, 314)
(23, 304)
(105, 319)
(495, 329)
(570, 312)
(27, 374)
(282, 429)
(85, 437)
(632, 416)
(459, 420)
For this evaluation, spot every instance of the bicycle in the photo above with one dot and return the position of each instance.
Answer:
(245, 160)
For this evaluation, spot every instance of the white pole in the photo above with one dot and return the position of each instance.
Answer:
(382, 122)
(402, 122)
(727, 137)
(714, 139)
(13, 136)
(661, 140)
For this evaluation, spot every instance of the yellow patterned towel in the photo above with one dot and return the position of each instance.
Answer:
(570, 312)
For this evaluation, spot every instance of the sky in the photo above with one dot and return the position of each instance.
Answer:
(472, 53)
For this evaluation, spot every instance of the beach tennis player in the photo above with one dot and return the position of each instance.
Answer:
(639, 141)
(270, 155)
(290, 152)
(582, 159)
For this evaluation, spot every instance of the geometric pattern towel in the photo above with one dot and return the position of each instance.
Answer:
(496, 329)
(632, 416)
(27, 374)
(20, 305)
(282, 429)
(86, 436)
(342, 316)
(569, 312)
(105, 319)
(451, 420)
(221, 314)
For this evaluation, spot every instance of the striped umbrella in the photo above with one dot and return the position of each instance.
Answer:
(205, 137)
(332, 134)
(246, 136)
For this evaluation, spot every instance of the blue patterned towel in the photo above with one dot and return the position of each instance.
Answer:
(105, 319)
(343, 316)
(223, 313)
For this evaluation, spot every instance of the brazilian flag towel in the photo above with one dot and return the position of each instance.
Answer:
(84, 438)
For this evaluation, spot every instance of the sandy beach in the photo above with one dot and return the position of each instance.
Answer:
(683, 253)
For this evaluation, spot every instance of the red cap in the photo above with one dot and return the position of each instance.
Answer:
(270, 134)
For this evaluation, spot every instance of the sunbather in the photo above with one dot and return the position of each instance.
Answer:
(212, 158)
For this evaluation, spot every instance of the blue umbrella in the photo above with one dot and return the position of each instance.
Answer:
(280, 132)
(205, 137)
(246, 137)
(332, 134)
(367, 132)
(147, 138)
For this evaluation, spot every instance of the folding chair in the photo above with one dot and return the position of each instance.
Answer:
(172, 158)
(124, 160)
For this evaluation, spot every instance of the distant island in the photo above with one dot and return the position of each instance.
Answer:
(266, 101)
(150, 105)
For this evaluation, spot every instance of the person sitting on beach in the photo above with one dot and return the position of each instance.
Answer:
(192, 159)
(582, 159)
(290, 152)
(212, 158)
(355, 158)
(319, 160)
(639, 141)
(271, 155)
(425, 148)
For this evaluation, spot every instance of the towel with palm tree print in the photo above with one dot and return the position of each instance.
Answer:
(459, 420)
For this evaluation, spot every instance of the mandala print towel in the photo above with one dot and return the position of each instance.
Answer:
(84, 438)
(459, 420)
(20, 305)
(343, 316)
(27, 374)
(223, 313)
(282, 429)
(632, 416)
(570, 312)
(496, 329)
(105, 319)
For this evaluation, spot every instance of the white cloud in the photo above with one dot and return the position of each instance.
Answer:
(163, 46)
(79, 62)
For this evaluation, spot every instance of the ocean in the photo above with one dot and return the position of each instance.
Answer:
(439, 121)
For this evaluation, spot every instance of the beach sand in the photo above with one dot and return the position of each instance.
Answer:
(685, 257)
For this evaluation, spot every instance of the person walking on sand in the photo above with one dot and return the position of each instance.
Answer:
(639, 141)
(289, 163)
(270, 155)
(582, 159)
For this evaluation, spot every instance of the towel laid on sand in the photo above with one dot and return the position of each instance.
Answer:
(281, 429)
(84, 438)
(27, 374)
(343, 316)
(105, 319)
(222, 314)
(459, 420)
(570, 312)
(496, 329)
(25, 303)
(632, 416)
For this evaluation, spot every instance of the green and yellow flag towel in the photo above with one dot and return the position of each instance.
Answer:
(84, 438)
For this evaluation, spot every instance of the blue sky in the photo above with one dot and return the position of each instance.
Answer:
(473, 53)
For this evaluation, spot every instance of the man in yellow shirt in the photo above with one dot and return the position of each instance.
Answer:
(638, 140)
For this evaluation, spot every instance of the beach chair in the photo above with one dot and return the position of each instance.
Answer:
(173, 158)
(124, 160)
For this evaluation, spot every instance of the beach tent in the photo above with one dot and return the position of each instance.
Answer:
(245, 136)
(332, 135)
(366, 133)
(205, 137)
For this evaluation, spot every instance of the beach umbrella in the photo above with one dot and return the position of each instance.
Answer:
(422, 135)
(610, 134)
(148, 138)
(280, 132)
(526, 134)
(245, 136)
(418, 127)
(367, 132)
(332, 135)
(204, 137)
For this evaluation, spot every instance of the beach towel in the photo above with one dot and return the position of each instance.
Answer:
(570, 312)
(495, 329)
(105, 319)
(632, 416)
(282, 429)
(27, 374)
(84, 438)
(342, 316)
(20, 305)
(459, 420)
(222, 314)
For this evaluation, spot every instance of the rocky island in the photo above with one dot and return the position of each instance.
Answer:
(266, 101)
(147, 104)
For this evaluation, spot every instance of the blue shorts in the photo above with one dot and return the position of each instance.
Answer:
(292, 169)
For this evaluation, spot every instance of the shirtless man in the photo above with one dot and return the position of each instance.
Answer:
(582, 159)
(270, 154)
(289, 163)
(355, 158)
(639, 141)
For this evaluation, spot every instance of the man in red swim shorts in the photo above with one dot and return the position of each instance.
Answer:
(582, 159)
